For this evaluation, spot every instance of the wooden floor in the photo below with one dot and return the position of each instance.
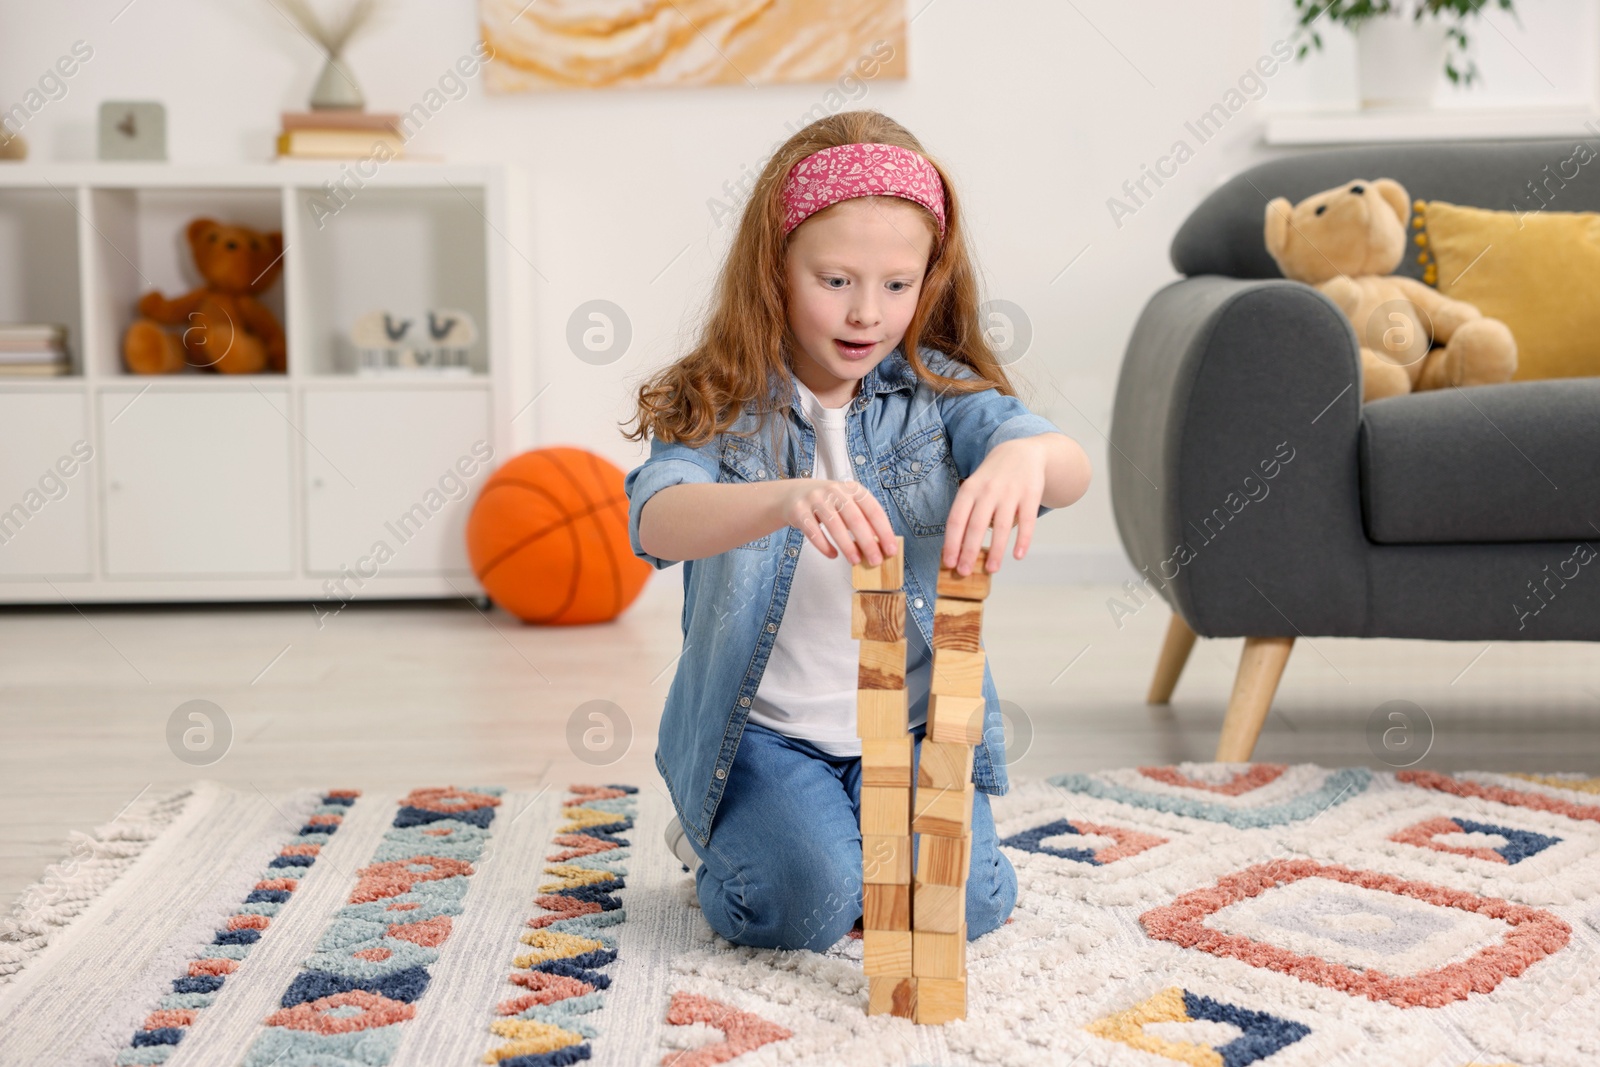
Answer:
(430, 694)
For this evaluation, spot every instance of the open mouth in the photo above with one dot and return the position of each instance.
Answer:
(855, 350)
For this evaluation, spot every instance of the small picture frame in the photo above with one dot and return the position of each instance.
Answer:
(133, 129)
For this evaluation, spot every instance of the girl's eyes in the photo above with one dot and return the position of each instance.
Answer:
(829, 283)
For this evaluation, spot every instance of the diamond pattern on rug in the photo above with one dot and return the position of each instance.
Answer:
(1251, 1036)
(1479, 840)
(1123, 843)
(1238, 797)
(1230, 783)
(742, 1031)
(1389, 830)
(1546, 799)
(1366, 933)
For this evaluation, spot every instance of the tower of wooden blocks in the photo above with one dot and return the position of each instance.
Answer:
(914, 927)
(942, 809)
(878, 621)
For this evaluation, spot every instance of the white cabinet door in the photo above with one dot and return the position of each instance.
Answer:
(391, 474)
(197, 482)
(46, 476)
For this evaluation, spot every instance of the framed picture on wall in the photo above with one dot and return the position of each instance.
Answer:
(594, 44)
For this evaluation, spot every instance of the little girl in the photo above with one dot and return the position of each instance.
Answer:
(842, 394)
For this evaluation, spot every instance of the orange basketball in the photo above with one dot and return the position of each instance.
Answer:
(548, 538)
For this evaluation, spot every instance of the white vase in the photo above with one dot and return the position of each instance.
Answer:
(1400, 61)
(336, 87)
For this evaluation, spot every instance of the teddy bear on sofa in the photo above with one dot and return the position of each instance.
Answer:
(1347, 242)
(225, 327)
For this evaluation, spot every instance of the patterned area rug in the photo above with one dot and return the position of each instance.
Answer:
(1199, 914)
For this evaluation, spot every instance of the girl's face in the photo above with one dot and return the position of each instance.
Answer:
(854, 273)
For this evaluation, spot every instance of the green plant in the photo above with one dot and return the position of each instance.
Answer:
(1458, 64)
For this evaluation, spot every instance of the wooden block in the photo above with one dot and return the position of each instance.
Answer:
(944, 764)
(886, 761)
(938, 908)
(886, 907)
(880, 616)
(942, 812)
(886, 860)
(887, 952)
(957, 624)
(974, 586)
(892, 994)
(939, 1000)
(883, 665)
(955, 674)
(882, 714)
(885, 811)
(890, 574)
(953, 720)
(943, 860)
(939, 955)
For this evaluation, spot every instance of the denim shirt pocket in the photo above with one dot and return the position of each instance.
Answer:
(921, 476)
(745, 461)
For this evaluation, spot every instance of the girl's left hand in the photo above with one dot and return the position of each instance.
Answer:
(1004, 491)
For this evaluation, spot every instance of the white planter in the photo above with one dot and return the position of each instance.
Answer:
(1401, 59)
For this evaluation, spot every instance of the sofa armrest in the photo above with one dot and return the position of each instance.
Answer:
(1234, 477)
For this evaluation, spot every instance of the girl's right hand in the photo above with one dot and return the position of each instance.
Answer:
(850, 514)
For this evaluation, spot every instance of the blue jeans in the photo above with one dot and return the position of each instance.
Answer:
(782, 867)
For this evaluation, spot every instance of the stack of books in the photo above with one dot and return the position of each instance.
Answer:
(340, 133)
(33, 350)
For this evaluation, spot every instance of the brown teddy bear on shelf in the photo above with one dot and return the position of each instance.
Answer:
(1346, 242)
(225, 327)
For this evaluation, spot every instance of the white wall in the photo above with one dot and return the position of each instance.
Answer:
(1041, 110)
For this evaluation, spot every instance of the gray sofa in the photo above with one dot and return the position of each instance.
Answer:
(1261, 500)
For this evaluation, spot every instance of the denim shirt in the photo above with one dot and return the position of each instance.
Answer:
(911, 446)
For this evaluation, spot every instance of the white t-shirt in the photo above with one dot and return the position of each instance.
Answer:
(808, 689)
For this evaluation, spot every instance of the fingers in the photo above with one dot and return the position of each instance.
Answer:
(849, 515)
(1003, 518)
(840, 532)
(834, 510)
(826, 506)
(879, 526)
(813, 530)
(978, 521)
(956, 525)
(1027, 515)
(866, 547)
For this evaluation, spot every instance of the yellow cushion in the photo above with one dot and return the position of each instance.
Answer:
(1535, 271)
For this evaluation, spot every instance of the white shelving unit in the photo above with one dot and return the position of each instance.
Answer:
(205, 486)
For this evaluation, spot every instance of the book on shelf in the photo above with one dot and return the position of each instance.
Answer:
(340, 133)
(34, 334)
(341, 118)
(33, 349)
(9, 356)
(54, 369)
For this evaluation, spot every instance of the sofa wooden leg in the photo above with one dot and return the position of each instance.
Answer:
(1174, 654)
(1259, 670)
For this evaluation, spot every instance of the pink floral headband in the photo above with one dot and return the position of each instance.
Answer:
(846, 171)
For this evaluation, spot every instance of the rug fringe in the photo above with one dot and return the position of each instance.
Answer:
(93, 862)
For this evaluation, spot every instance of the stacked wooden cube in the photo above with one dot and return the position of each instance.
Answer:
(914, 928)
